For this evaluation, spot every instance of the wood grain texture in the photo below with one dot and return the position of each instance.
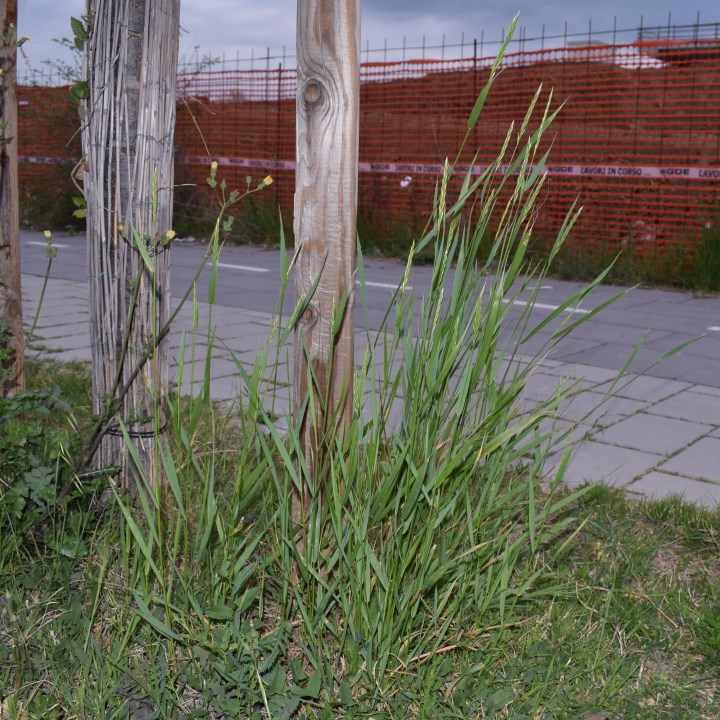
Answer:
(328, 62)
(12, 346)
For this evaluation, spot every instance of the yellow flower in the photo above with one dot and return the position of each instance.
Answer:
(268, 180)
(170, 234)
(48, 235)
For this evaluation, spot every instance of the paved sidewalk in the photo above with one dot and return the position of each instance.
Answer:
(656, 437)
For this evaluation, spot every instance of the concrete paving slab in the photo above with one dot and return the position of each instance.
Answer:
(62, 288)
(705, 347)
(58, 334)
(196, 344)
(240, 326)
(610, 333)
(48, 319)
(559, 434)
(688, 368)
(221, 389)
(218, 369)
(69, 329)
(680, 410)
(282, 377)
(219, 312)
(666, 341)
(238, 329)
(265, 298)
(595, 462)
(248, 357)
(645, 387)
(569, 349)
(701, 461)
(653, 433)
(597, 410)
(241, 343)
(64, 292)
(612, 356)
(542, 386)
(509, 367)
(658, 485)
(547, 363)
(705, 390)
(590, 374)
(63, 354)
(692, 406)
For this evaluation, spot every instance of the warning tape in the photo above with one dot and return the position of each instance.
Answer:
(564, 170)
(46, 160)
(663, 172)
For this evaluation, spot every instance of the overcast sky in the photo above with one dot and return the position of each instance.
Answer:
(244, 26)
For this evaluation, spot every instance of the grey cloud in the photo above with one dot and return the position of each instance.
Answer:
(231, 26)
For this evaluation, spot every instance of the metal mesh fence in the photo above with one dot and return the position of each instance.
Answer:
(48, 149)
(637, 141)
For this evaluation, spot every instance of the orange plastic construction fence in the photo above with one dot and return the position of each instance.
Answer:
(637, 141)
(48, 149)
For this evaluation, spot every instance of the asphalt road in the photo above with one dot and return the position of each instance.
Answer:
(249, 278)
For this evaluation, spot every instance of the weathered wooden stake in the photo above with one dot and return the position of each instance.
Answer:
(12, 376)
(328, 70)
(127, 134)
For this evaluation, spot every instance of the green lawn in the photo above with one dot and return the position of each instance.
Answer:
(622, 619)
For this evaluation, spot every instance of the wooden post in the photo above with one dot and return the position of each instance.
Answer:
(12, 376)
(328, 71)
(127, 134)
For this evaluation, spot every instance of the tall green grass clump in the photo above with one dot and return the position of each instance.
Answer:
(425, 515)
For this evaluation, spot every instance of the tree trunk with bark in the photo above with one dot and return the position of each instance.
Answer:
(328, 67)
(12, 345)
(128, 130)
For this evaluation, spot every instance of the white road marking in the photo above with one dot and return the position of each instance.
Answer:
(545, 306)
(242, 267)
(391, 286)
(714, 328)
(369, 283)
(44, 244)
